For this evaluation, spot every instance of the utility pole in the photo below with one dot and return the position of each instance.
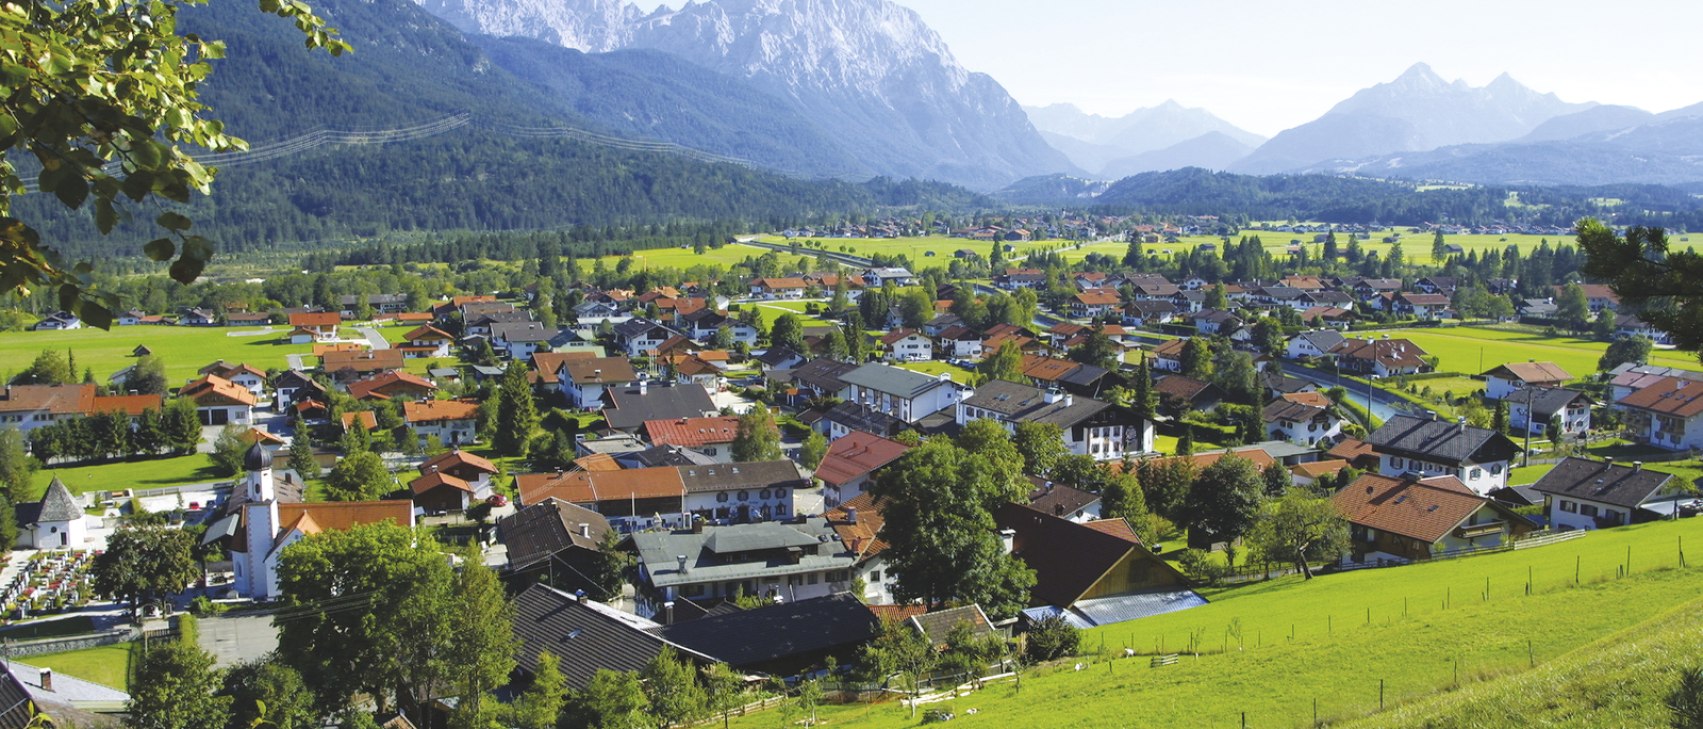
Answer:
(1526, 458)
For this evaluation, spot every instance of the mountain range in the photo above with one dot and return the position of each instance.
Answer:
(1167, 136)
(868, 74)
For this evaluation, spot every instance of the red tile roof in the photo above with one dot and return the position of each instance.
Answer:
(584, 487)
(856, 455)
(213, 390)
(439, 411)
(863, 536)
(692, 432)
(1671, 396)
(1424, 510)
(316, 319)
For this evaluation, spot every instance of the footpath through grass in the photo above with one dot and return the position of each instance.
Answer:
(1271, 649)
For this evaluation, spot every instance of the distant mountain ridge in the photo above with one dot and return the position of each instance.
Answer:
(869, 73)
(1167, 136)
(1415, 112)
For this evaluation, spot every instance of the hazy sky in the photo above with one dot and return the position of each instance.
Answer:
(1269, 66)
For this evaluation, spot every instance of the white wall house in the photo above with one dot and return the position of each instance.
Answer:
(1504, 380)
(1667, 414)
(1478, 457)
(908, 346)
(1570, 409)
(1581, 493)
(908, 396)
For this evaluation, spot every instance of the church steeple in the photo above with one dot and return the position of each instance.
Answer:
(258, 462)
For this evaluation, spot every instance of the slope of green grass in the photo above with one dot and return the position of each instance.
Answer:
(183, 349)
(1621, 680)
(918, 247)
(1271, 649)
(108, 665)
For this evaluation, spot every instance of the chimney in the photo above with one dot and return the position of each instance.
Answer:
(47, 679)
(851, 515)
(668, 613)
(697, 524)
(1460, 425)
(1637, 466)
(1050, 397)
(1607, 461)
(644, 386)
(581, 597)
(1007, 539)
(794, 555)
(1069, 399)
(585, 530)
(680, 560)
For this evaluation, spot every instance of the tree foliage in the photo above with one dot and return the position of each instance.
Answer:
(268, 693)
(176, 688)
(757, 438)
(1041, 445)
(359, 477)
(540, 705)
(145, 562)
(1224, 501)
(1299, 528)
(104, 97)
(671, 685)
(517, 414)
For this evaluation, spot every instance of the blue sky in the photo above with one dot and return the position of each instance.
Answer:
(1270, 66)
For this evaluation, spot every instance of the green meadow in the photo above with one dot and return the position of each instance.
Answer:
(183, 349)
(1472, 350)
(918, 248)
(1274, 653)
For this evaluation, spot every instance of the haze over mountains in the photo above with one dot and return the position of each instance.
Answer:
(1167, 136)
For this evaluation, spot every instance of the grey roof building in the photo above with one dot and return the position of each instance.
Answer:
(791, 561)
(542, 530)
(585, 635)
(632, 406)
(781, 639)
(1015, 403)
(893, 380)
(1441, 441)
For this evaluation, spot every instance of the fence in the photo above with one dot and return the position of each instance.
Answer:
(60, 645)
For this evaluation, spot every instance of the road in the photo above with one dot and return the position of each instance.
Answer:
(374, 338)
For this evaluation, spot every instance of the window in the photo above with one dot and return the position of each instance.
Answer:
(1569, 506)
(875, 576)
(780, 494)
(1478, 473)
(1395, 462)
(744, 495)
(1496, 470)
(721, 497)
(810, 579)
(764, 495)
(1588, 509)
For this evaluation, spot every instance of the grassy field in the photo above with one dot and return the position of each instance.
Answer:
(148, 474)
(1271, 649)
(107, 665)
(1415, 247)
(918, 247)
(935, 367)
(774, 309)
(682, 258)
(1472, 350)
(183, 349)
(1621, 680)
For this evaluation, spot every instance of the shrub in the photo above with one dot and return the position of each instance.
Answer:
(1198, 565)
(1052, 638)
(1686, 701)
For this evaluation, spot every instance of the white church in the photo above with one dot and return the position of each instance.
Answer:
(267, 526)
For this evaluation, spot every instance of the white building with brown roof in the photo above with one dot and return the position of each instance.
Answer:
(1503, 380)
(219, 401)
(1410, 519)
(27, 407)
(452, 422)
(711, 437)
(1667, 414)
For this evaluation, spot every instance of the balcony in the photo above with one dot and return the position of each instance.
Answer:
(1473, 531)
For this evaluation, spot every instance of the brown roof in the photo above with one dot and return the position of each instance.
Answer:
(1670, 396)
(1181, 388)
(127, 404)
(436, 479)
(1170, 350)
(1097, 297)
(368, 419)
(366, 360)
(1353, 450)
(549, 363)
(789, 282)
(545, 528)
(896, 336)
(432, 411)
(595, 370)
(390, 383)
(428, 332)
(586, 487)
(342, 515)
(862, 537)
(856, 454)
(897, 612)
(1047, 369)
(692, 432)
(598, 462)
(1424, 510)
(316, 319)
(1256, 454)
(456, 460)
(1068, 558)
(1536, 373)
(1391, 352)
(1316, 469)
(216, 390)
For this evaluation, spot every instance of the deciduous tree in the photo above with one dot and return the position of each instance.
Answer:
(1041, 445)
(359, 477)
(540, 705)
(1224, 501)
(266, 693)
(143, 563)
(1299, 528)
(175, 688)
(757, 438)
(671, 686)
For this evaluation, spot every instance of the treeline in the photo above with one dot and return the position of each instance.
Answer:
(115, 435)
(1334, 199)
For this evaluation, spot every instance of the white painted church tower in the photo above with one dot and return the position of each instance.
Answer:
(256, 573)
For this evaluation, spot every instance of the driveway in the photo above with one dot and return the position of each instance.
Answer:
(374, 338)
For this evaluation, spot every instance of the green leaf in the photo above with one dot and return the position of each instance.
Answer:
(173, 221)
(138, 184)
(71, 188)
(105, 216)
(159, 249)
(95, 315)
(186, 270)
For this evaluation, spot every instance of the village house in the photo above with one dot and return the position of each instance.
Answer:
(243, 375)
(857, 524)
(693, 369)
(711, 437)
(426, 342)
(586, 380)
(630, 498)
(58, 321)
(1315, 343)
(907, 345)
(1426, 307)
(1168, 356)
(1503, 380)
(961, 342)
(1093, 573)
(452, 481)
(792, 562)
(738, 493)
(56, 522)
(799, 634)
(219, 401)
(1180, 394)
(1477, 457)
(1303, 418)
(1632, 325)
(391, 385)
(1090, 427)
(790, 287)
(1667, 414)
(451, 422)
(851, 463)
(875, 278)
(1380, 357)
(630, 406)
(1584, 494)
(555, 538)
(1094, 303)
(640, 337)
(1408, 518)
(310, 327)
(1535, 408)
(349, 364)
(906, 395)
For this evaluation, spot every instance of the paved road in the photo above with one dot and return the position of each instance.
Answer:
(1384, 404)
(374, 338)
(295, 361)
